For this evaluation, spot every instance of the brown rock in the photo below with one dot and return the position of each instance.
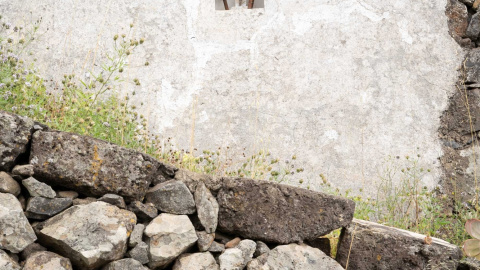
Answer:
(233, 243)
(91, 166)
(377, 246)
(277, 213)
(457, 18)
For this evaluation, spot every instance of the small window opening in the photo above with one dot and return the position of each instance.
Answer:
(233, 4)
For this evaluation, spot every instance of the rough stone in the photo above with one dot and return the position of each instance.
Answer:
(170, 235)
(8, 185)
(140, 253)
(37, 188)
(295, 257)
(23, 170)
(277, 213)
(231, 259)
(472, 67)
(216, 247)
(205, 240)
(172, 197)
(136, 236)
(207, 208)
(113, 199)
(42, 208)
(261, 249)
(196, 261)
(15, 132)
(30, 250)
(90, 166)
(469, 264)
(125, 264)
(7, 263)
(233, 243)
(473, 29)
(89, 235)
(87, 200)
(67, 194)
(192, 179)
(247, 247)
(144, 212)
(46, 260)
(457, 18)
(16, 233)
(468, 2)
(377, 246)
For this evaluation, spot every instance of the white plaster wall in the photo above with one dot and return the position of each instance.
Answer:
(340, 83)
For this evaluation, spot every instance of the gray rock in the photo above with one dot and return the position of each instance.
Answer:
(67, 194)
(140, 253)
(216, 247)
(46, 260)
(87, 200)
(231, 259)
(15, 132)
(205, 240)
(172, 197)
(170, 235)
(144, 212)
(42, 208)
(261, 249)
(15, 231)
(89, 235)
(113, 199)
(207, 208)
(377, 246)
(248, 248)
(192, 179)
(469, 264)
(125, 264)
(136, 236)
(23, 170)
(196, 261)
(473, 29)
(472, 67)
(468, 2)
(7, 263)
(90, 166)
(296, 257)
(259, 210)
(457, 15)
(30, 250)
(8, 185)
(38, 189)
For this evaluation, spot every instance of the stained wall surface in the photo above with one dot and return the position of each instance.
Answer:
(341, 84)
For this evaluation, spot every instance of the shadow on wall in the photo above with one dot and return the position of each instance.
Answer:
(219, 4)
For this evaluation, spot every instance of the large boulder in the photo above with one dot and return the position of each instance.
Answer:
(169, 236)
(15, 134)
(296, 257)
(90, 235)
(278, 213)
(196, 261)
(47, 261)
(15, 231)
(91, 166)
(376, 246)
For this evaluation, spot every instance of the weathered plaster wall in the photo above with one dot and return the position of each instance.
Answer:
(340, 83)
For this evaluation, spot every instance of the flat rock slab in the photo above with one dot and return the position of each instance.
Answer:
(15, 134)
(47, 261)
(42, 208)
(377, 246)
(91, 166)
(90, 235)
(15, 231)
(296, 257)
(278, 213)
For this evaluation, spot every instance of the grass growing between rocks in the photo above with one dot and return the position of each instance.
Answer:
(93, 107)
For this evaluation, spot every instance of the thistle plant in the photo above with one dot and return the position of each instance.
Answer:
(471, 247)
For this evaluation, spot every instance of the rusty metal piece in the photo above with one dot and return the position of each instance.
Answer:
(225, 4)
(250, 4)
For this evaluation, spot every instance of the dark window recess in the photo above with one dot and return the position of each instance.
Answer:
(230, 4)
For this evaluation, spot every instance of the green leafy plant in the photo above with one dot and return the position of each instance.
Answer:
(472, 246)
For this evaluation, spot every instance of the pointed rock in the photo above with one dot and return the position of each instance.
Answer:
(89, 235)
(207, 208)
(15, 231)
(38, 189)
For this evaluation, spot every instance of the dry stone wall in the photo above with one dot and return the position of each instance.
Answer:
(82, 203)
